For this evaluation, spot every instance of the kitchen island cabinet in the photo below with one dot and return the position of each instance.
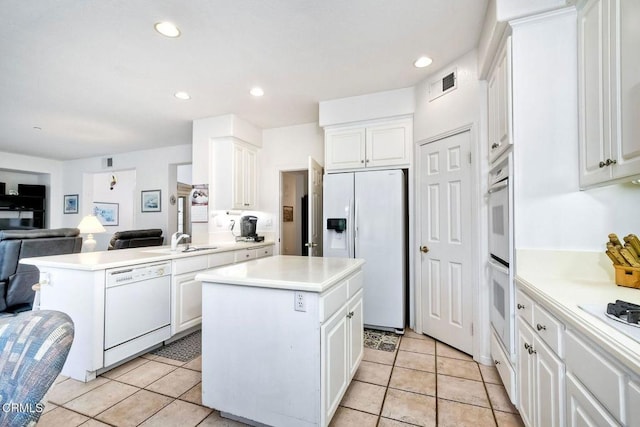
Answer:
(281, 338)
(79, 285)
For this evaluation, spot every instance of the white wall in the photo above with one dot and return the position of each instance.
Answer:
(285, 149)
(550, 211)
(457, 108)
(154, 170)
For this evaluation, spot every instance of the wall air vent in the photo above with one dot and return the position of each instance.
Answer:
(445, 83)
(107, 162)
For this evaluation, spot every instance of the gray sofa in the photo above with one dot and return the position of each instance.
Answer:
(136, 239)
(17, 279)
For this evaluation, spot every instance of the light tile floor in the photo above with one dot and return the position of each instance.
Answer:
(423, 383)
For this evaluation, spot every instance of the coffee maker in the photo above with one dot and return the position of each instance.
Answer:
(248, 224)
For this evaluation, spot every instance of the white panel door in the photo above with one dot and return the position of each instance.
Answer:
(445, 224)
(314, 241)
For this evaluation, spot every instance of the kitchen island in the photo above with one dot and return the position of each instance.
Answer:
(128, 301)
(282, 338)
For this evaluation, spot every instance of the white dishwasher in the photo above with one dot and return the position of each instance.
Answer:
(137, 312)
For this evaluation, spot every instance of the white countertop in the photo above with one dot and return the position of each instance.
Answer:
(314, 274)
(563, 281)
(90, 261)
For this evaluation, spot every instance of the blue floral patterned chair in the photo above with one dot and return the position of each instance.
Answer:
(33, 348)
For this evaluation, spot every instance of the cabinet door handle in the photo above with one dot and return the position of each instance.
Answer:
(497, 362)
(526, 346)
(367, 160)
(602, 164)
(424, 249)
(494, 145)
(541, 327)
(350, 315)
(531, 350)
(611, 162)
(520, 306)
(361, 161)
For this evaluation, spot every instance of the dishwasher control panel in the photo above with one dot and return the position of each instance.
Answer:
(124, 275)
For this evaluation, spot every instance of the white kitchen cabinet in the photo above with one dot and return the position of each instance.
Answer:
(609, 99)
(583, 410)
(233, 174)
(499, 105)
(356, 333)
(541, 394)
(186, 301)
(595, 372)
(371, 145)
(504, 366)
(186, 310)
(335, 356)
(244, 177)
(342, 336)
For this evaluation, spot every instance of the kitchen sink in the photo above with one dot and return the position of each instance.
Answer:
(181, 250)
(197, 248)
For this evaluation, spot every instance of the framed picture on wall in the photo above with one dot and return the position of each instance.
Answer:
(107, 213)
(287, 213)
(70, 203)
(151, 201)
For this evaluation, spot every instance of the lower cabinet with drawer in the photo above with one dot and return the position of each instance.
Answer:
(186, 291)
(541, 371)
(564, 377)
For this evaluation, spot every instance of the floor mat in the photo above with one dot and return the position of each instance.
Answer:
(380, 340)
(185, 349)
(189, 347)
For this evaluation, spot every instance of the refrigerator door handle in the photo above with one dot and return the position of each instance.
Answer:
(349, 221)
(355, 219)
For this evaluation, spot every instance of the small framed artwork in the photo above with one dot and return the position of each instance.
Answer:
(151, 201)
(70, 203)
(287, 213)
(107, 213)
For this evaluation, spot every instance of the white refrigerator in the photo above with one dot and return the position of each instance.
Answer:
(364, 217)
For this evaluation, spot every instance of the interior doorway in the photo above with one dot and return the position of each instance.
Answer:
(293, 221)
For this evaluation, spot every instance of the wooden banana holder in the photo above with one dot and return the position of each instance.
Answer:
(627, 276)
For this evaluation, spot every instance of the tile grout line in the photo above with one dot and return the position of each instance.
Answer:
(393, 365)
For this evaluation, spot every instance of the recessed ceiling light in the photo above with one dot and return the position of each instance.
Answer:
(256, 91)
(182, 95)
(167, 29)
(422, 62)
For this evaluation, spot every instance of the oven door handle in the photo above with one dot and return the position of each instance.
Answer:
(499, 186)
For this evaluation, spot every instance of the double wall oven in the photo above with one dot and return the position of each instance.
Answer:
(501, 290)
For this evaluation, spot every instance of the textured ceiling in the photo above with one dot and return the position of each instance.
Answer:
(96, 79)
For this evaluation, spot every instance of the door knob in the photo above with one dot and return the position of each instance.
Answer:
(424, 249)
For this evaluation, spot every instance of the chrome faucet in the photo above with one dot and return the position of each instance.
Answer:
(175, 239)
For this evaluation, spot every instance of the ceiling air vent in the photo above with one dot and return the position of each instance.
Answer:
(443, 85)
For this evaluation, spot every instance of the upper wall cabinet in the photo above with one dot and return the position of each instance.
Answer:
(233, 174)
(382, 144)
(609, 91)
(499, 103)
